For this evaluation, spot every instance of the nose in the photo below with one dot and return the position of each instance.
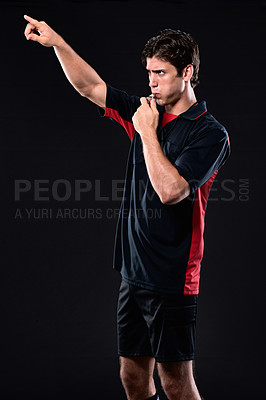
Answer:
(153, 80)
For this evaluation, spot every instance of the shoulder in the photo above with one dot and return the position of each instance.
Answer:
(208, 125)
(214, 125)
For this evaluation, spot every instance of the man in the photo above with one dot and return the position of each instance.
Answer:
(176, 151)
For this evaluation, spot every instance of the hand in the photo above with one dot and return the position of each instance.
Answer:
(146, 118)
(48, 37)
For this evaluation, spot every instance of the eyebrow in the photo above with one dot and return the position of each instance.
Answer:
(156, 70)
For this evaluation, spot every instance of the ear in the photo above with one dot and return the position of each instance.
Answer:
(188, 72)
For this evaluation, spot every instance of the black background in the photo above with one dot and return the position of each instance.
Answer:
(58, 288)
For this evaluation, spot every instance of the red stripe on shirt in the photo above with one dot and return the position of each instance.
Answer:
(128, 126)
(192, 119)
(197, 242)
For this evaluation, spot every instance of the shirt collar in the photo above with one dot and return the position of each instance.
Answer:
(195, 112)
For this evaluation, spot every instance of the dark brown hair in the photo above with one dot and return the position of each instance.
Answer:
(178, 48)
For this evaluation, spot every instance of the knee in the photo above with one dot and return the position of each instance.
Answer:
(137, 377)
(171, 387)
(177, 389)
(176, 382)
(132, 378)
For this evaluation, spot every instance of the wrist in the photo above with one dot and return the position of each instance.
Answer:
(59, 43)
(150, 137)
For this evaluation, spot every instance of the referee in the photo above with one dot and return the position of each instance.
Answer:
(177, 148)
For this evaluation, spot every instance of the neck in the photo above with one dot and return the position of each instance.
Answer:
(186, 100)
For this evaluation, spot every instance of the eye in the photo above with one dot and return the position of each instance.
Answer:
(160, 72)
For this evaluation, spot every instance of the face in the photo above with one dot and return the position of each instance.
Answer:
(164, 81)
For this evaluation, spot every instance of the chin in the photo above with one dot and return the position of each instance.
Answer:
(160, 102)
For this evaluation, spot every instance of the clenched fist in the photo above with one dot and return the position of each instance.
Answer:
(48, 37)
(146, 118)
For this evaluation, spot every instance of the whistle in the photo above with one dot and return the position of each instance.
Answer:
(151, 96)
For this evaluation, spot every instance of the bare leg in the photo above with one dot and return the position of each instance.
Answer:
(137, 377)
(177, 380)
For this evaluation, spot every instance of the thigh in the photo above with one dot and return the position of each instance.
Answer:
(132, 330)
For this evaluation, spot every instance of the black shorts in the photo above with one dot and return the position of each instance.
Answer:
(156, 324)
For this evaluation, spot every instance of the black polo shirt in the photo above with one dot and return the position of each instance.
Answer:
(159, 246)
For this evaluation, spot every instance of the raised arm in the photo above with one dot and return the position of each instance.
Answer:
(80, 74)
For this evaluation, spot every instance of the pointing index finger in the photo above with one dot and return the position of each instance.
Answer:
(33, 21)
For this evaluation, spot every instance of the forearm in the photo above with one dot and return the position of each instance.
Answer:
(80, 74)
(170, 186)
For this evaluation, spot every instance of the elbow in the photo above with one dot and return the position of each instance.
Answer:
(170, 198)
(168, 201)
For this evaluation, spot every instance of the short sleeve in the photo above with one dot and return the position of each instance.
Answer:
(203, 156)
(120, 108)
